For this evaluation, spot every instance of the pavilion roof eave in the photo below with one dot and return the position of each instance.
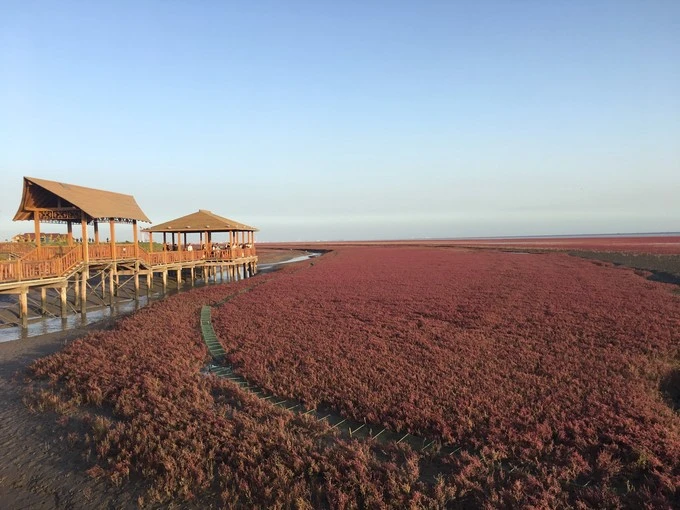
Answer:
(201, 221)
(98, 205)
(198, 230)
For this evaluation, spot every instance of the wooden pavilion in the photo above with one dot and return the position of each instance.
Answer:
(58, 202)
(205, 223)
(238, 248)
(77, 267)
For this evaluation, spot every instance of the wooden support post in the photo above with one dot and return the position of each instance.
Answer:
(76, 290)
(62, 298)
(150, 242)
(179, 278)
(96, 232)
(136, 280)
(135, 238)
(112, 288)
(69, 235)
(36, 224)
(83, 227)
(43, 301)
(192, 275)
(83, 290)
(165, 280)
(245, 274)
(112, 228)
(23, 306)
(149, 282)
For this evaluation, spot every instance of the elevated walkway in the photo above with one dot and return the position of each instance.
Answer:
(64, 267)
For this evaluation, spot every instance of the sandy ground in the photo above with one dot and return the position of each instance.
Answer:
(38, 468)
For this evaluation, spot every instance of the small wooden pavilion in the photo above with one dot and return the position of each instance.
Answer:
(237, 256)
(205, 223)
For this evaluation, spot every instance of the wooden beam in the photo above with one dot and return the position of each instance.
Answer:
(38, 209)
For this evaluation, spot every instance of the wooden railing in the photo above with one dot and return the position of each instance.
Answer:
(99, 251)
(45, 253)
(70, 259)
(57, 260)
(10, 270)
(174, 257)
(18, 270)
(16, 248)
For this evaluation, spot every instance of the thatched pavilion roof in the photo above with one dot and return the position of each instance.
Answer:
(60, 202)
(201, 221)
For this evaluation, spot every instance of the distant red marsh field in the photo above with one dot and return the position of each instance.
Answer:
(545, 362)
(649, 244)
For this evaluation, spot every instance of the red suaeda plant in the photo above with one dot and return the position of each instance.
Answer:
(153, 415)
(543, 369)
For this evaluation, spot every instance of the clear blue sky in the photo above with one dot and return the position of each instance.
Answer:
(352, 120)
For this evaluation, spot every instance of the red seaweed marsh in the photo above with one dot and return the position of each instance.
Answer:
(541, 379)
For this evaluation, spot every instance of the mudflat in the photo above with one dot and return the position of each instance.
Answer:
(37, 467)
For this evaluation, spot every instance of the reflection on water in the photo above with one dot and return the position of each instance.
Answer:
(266, 267)
(43, 326)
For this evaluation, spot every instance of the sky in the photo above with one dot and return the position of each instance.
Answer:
(325, 120)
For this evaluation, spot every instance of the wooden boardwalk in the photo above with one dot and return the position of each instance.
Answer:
(71, 271)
